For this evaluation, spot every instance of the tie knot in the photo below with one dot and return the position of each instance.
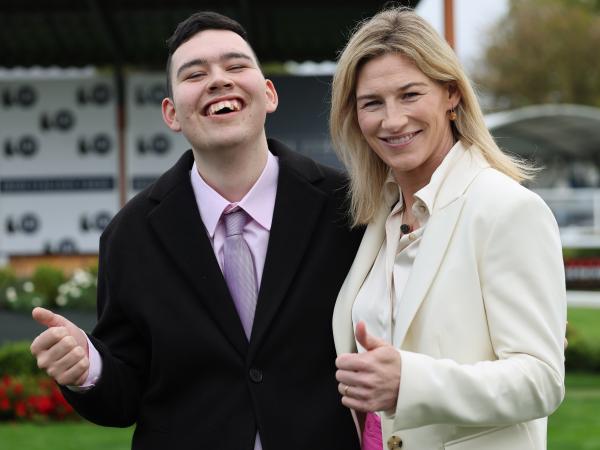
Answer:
(234, 222)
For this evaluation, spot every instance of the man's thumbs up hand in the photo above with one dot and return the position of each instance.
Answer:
(62, 349)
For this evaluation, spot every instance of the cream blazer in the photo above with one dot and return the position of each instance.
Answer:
(482, 317)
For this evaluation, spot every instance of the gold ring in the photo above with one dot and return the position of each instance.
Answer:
(346, 391)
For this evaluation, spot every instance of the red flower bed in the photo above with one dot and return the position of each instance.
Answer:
(32, 398)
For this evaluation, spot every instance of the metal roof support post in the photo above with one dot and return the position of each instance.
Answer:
(449, 22)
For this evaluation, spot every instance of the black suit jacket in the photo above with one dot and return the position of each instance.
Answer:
(175, 358)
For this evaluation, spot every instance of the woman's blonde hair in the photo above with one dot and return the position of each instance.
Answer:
(400, 30)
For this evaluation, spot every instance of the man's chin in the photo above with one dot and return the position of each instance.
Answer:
(223, 143)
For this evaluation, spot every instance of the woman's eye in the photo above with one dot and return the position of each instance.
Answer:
(370, 104)
(410, 95)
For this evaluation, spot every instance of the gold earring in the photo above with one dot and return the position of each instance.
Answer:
(452, 115)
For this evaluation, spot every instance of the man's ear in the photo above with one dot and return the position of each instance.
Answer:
(169, 114)
(272, 98)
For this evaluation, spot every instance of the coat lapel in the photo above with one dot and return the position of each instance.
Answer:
(432, 248)
(179, 228)
(365, 257)
(298, 206)
(447, 207)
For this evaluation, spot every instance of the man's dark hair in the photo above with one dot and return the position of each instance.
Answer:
(200, 21)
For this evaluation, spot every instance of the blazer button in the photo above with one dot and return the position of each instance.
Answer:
(394, 443)
(256, 375)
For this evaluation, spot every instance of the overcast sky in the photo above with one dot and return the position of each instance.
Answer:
(472, 19)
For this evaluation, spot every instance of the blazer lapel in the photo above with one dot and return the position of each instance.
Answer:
(447, 207)
(179, 228)
(431, 252)
(298, 206)
(365, 257)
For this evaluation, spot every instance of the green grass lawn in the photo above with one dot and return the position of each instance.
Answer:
(63, 436)
(586, 321)
(576, 423)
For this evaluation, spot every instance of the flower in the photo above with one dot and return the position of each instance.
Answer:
(61, 300)
(36, 301)
(18, 388)
(82, 278)
(28, 286)
(20, 409)
(42, 404)
(11, 294)
(37, 399)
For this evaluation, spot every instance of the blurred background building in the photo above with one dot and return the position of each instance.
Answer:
(81, 84)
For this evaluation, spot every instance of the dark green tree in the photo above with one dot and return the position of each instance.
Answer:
(543, 51)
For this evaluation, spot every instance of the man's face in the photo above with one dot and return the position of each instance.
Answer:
(220, 96)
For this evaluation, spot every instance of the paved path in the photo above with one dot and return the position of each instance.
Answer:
(584, 299)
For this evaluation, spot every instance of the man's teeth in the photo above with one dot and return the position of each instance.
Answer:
(224, 106)
(401, 139)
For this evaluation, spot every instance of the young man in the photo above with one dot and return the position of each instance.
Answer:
(210, 337)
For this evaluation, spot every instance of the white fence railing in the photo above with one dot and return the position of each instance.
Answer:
(577, 212)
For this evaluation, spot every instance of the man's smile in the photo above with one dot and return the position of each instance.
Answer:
(223, 106)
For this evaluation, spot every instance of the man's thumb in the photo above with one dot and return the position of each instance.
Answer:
(48, 318)
(365, 339)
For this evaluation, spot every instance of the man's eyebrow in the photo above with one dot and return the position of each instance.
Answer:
(203, 62)
(401, 88)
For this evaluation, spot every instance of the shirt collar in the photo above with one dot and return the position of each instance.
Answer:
(424, 197)
(428, 193)
(259, 202)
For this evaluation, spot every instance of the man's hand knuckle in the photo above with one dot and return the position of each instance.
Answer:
(82, 364)
(57, 332)
(69, 341)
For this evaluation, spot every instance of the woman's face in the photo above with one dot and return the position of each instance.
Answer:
(403, 116)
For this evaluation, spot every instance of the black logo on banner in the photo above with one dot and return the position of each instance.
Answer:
(142, 182)
(97, 222)
(101, 144)
(23, 96)
(28, 223)
(150, 95)
(62, 120)
(64, 184)
(64, 246)
(26, 146)
(159, 144)
(98, 94)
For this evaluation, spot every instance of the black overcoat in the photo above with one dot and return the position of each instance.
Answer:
(176, 361)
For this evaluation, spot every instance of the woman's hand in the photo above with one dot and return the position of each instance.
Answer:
(369, 381)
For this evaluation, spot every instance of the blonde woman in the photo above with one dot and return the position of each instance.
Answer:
(449, 327)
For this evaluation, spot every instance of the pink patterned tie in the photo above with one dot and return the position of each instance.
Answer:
(238, 267)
